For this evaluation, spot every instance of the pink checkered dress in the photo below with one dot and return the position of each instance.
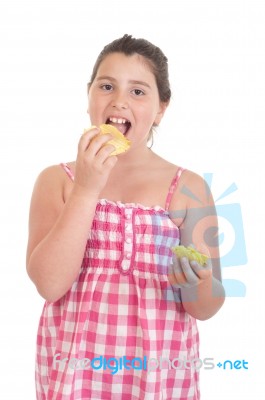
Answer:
(120, 332)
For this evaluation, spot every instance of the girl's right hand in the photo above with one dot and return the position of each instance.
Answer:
(94, 162)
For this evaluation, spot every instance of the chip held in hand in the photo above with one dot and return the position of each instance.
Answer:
(119, 141)
(190, 253)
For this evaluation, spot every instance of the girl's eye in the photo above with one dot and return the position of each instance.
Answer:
(138, 92)
(106, 87)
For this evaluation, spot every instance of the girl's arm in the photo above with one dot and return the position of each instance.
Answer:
(202, 292)
(58, 230)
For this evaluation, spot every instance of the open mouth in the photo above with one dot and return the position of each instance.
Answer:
(122, 124)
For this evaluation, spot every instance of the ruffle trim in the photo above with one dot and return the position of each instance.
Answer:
(120, 204)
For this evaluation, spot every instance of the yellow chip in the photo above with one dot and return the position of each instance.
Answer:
(120, 142)
(190, 253)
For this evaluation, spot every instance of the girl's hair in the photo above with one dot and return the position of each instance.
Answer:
(155, 58)
(152, 54)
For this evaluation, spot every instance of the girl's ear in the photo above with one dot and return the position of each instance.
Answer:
(161, 112)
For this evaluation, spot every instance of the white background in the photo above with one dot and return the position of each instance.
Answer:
(215, 123)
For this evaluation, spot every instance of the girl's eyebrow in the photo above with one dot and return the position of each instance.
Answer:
(135, 82)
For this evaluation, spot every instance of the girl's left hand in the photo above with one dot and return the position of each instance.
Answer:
(186, 274)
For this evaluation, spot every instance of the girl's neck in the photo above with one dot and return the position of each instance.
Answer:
(135, 158)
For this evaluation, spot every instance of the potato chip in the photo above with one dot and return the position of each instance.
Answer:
(190, 253)
(120, 142)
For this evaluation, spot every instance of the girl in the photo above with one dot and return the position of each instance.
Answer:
(119, 321)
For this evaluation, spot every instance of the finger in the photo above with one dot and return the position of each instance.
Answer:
(98, 142)
(87, 137)
(203, 272)
(191, 277)
(176, 275)
(89, 129)
(177, 280)
(104, 153)
(111, 161)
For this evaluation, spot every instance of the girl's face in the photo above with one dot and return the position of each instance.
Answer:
(124, 94)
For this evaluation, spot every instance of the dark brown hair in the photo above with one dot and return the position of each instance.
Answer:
(152, 54)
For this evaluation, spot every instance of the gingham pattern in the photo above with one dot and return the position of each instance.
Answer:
(121, 305)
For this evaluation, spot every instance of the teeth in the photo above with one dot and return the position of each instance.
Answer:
(118, 120)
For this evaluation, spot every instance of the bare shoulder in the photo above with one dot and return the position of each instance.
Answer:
(48, 188)
(162, 165)
(52, 181)
(50, 175)
(189, 180)
(192, 190)
(53, 172)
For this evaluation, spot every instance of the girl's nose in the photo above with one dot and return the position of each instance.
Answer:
(120, 101)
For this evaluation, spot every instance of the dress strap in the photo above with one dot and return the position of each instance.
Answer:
(173, 186)
(68, 171)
